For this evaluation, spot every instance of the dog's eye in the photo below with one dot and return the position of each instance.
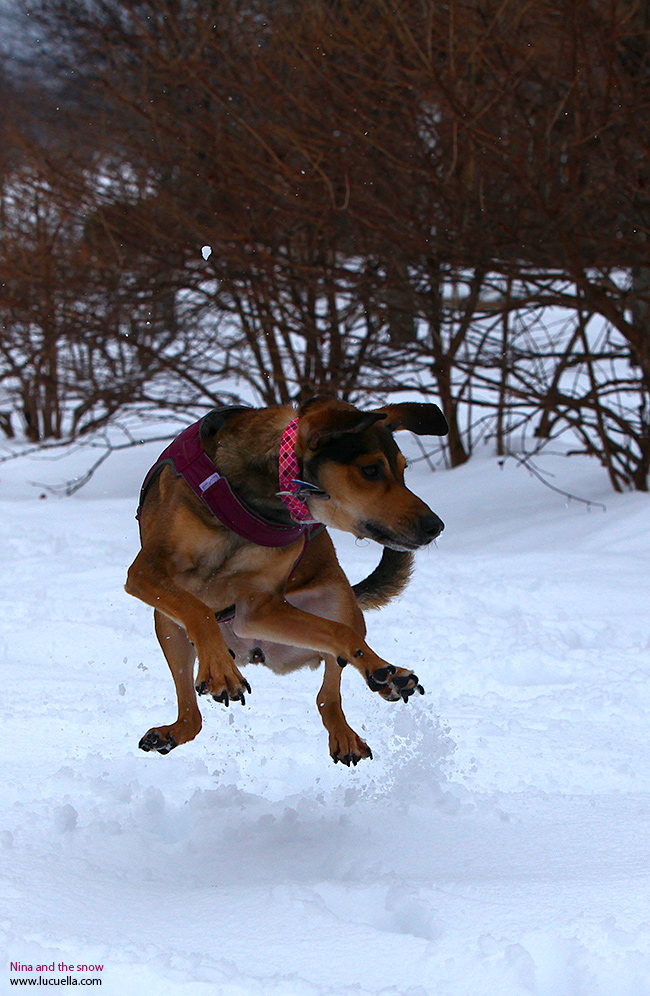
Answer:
(372, 471)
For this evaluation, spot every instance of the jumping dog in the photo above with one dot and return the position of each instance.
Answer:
(238, 565)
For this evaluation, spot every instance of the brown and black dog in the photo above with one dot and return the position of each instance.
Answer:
(229, 601)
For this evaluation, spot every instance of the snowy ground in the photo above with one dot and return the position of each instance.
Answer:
(497, 845)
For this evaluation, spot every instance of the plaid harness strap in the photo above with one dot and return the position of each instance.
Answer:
(188, 460)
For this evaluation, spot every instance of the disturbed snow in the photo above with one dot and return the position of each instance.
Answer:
(497, 845)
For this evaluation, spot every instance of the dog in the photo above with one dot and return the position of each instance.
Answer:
(237, 562)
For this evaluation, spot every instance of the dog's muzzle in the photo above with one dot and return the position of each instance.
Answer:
(427, 528)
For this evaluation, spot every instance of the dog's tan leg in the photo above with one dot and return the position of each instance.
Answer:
(180, 656)
(345, 745)
(266, 616)
(217, 672)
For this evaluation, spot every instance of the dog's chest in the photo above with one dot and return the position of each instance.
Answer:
(222, 574)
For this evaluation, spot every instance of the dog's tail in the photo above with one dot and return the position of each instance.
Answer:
(388, 580)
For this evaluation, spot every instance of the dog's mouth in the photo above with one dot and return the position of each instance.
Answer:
(402, 543)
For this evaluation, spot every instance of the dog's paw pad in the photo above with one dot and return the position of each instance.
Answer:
(407, 685)
(153, 741)
(394, 684)
(379, 679)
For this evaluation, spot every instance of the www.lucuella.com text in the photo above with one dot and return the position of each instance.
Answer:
(51, 980)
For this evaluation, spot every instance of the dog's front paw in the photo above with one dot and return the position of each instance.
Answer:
(394, 683)
(224, 686)
(348, 748)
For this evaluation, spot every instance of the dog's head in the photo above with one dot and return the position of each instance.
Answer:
(353, 457)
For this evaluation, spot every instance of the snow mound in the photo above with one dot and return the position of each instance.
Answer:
(496, 844)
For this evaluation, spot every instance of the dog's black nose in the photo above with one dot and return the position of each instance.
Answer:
(430, 527)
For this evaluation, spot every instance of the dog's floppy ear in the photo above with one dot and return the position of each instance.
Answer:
(422, 419)
(339, 423)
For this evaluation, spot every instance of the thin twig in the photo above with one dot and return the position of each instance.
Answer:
(75, 484)
(425, 455)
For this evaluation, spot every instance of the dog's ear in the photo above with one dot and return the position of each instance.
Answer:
(341, 422)
(422, 419)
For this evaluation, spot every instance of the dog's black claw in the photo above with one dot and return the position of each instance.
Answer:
(223, 698)
(153, 741)
(353, 759)
(341, 661)
(246, 685)
(420, 689)
(232, 653)
(201, 688)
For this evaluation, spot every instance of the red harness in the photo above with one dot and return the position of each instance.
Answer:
(188, 460)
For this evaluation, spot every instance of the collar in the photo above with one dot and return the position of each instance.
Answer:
(292, 489)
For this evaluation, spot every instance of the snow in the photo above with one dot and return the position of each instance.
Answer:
(497, 845)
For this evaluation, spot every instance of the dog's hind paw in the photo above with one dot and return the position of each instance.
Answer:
(153, 741)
